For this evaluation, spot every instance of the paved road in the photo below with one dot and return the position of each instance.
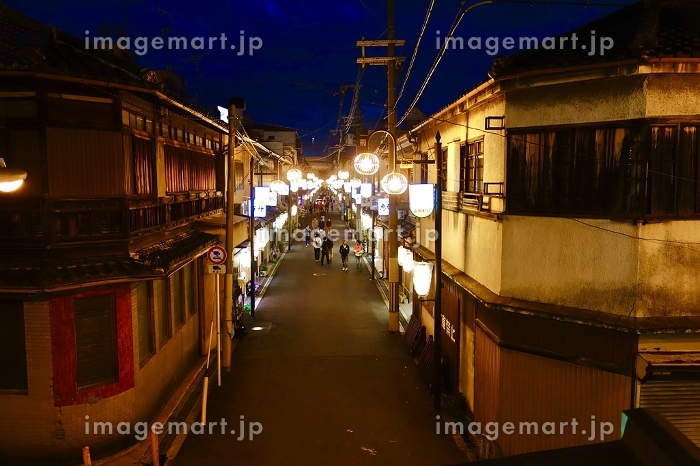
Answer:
(326, 380)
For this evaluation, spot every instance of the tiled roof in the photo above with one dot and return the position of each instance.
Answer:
(153, 262)
(26, 44)
(642, 31)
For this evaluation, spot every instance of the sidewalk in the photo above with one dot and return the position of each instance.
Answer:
(323, 380)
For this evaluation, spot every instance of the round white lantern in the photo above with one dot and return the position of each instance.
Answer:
(343, 175)
(278, 186)
(355, 183)
(394, 183)
(294, 174)
(366, 163)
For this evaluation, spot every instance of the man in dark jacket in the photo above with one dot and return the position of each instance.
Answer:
(326, 250)
(344, 251)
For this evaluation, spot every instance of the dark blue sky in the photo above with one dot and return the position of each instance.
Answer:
(309, 49)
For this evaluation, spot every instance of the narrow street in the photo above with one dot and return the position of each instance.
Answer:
(326, 380)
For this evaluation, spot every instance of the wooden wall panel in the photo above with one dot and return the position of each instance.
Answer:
(85, 163)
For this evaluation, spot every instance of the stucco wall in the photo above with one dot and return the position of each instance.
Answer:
(564, 261)
(668, 269)
(672, 95)
(577, 102)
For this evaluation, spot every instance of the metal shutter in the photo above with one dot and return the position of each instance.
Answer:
(678, 401)
(96, 341)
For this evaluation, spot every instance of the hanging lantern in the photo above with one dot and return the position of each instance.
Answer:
(366, 163)
(422, 277)
(10, 178)
(294, 174)
(400, 255)
(278, 186)
(294, 210)
(366, 189)
(294, 186)
(408, 260)
(355, 183)
(347, 186)
(343, 175)
(310, 176)
(394, 183)
(421, 199)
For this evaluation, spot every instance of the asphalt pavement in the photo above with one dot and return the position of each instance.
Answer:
(322, 382)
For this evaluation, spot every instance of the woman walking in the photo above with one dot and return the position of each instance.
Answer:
(359, 251)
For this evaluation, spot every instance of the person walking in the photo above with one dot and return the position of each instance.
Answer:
(359, 251)
(314, 223)
(318, 243)
(307, 235)
(344, 252)
(326, 250)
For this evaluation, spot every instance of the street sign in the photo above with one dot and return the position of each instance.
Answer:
(216, 255)
(216, 268)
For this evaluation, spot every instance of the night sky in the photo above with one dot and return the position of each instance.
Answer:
(308, 49)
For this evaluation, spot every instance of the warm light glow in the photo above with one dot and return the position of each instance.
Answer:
(310, 176)
(421, 199)
(366, 221)
(294, 174)
(400, 255)
(10, 178)
(355, 183)
(366, 189)
(294, 186)
(394, 183)
(244, 258)
(294, 210)
(343, 175)
(347, 187)
(422, 277)
(366, 163)
(408, 260)
(278, 186)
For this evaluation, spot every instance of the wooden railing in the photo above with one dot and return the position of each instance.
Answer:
(469, 202)
(44, 222)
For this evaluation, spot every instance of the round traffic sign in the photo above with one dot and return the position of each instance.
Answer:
(216, 255)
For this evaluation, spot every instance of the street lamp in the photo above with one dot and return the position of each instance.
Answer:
(394, 183)
(294, 175)
(422, 278)
(343, 175)
(10, 178)
(366, 163)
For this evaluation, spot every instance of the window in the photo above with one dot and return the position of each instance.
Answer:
(13, 350)
(125, 117)
(576, 170)
(165, 130)
(149, 126)
(163, 310)
(238, 176)
(96, 341)
(443, 182)
(471, 167)
(177, 297)
(144, 309)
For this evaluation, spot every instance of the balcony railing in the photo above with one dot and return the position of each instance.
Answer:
(45, 222)
(470, 202)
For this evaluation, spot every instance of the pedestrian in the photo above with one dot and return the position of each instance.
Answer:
(328, 223)
(318, 242)
(326, 250)
(307, 235)
(344, 252)
(314, 223)
(359, 251)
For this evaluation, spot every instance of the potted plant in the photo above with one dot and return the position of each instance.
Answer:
(263, 270)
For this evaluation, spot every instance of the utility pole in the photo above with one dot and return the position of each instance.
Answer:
(392, 62)
(251, 235)
(228, 277)
(437, 313)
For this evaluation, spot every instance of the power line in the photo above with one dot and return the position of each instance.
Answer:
(415, 49)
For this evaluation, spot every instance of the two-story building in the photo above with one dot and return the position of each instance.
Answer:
(570, 231)
(103, 305)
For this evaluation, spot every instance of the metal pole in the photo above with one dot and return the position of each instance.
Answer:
(218, 331)
(437, 314)
(228, 278)
(393, 198)
(251, 236)
(374, 216)
(289, 218)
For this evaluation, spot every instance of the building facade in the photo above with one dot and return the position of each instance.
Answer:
(103, 304)
(570, 231)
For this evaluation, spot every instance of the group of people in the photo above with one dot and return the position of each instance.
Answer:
(317, 234)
